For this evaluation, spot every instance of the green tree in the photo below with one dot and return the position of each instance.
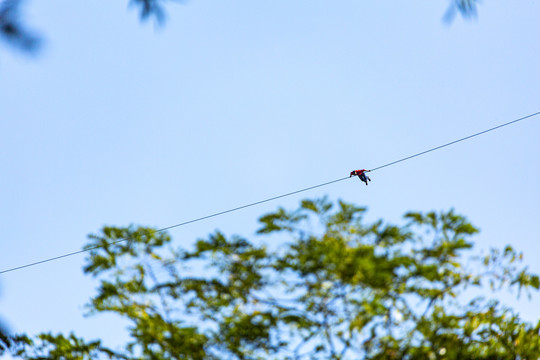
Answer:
(336, 287)
(5, 341)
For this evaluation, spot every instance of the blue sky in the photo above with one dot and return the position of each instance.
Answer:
(231, 102)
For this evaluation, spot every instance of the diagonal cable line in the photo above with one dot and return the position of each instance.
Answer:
(455, 141)
(269, 199)
(62, 256)
(252, 204)
(173, 226)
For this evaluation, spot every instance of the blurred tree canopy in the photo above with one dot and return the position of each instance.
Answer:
(332, 287)
(17, 35)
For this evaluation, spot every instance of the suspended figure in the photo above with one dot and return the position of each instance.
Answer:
(361, 175)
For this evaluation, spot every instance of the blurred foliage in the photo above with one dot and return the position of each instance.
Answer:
(466, 8)
(151, 9)
(335, 287)
(11, 29)
(17, 35)
(5, 340)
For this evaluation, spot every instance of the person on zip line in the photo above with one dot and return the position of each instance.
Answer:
(361, 175)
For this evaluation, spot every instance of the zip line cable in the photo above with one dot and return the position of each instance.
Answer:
(269, 199)
(173, 226)
(455, 141)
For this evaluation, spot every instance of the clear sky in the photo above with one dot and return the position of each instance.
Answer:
(231, 102)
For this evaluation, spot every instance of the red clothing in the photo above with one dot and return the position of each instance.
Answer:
(358, 172)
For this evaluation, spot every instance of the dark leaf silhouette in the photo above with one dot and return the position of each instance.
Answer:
(467, 9)
(11, 29)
